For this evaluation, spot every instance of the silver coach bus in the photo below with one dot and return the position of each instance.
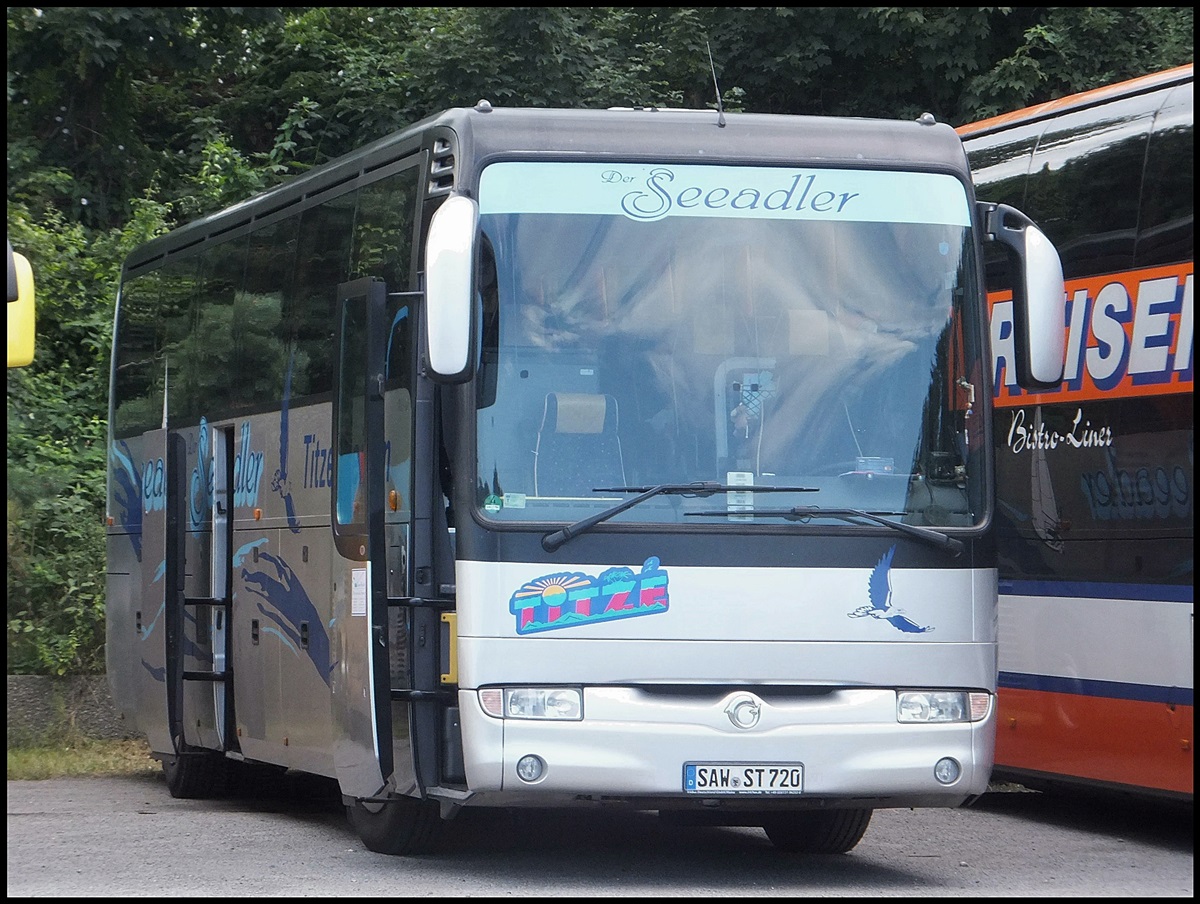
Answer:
(575, 458)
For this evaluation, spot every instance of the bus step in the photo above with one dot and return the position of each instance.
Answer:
(207, 676)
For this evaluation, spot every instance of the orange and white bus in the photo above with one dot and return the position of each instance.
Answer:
(1095, 478)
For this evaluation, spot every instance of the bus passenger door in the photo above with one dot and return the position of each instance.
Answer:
(198, 591)
(359, 624)
(401, 533)
(221, 552)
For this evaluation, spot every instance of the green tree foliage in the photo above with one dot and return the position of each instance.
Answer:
(115, 96)
(1065, 50)
(123, 122)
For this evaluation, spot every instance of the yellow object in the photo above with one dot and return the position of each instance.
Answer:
(450, 619)
(20, 310)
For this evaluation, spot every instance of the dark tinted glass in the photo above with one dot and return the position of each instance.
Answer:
(137, 387)
(1165, 230)
(153, 349)
(259, 337)
(383, 230)
(207, 359)
(1085, 184)
(322, 262)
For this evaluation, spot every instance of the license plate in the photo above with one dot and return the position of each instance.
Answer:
(743, 778)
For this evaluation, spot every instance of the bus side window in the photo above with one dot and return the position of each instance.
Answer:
(350, 488)
(1165, 219)
(350, 428)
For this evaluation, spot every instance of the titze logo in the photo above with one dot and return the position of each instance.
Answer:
(571, 598)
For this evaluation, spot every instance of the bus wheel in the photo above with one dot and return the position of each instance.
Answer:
(195, 775)
(818, 831)
(403, 825)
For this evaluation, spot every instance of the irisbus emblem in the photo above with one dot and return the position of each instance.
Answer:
(570, 598)
(744, 711)
(879, 591)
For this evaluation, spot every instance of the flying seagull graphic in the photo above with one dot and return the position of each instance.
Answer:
(879, 591)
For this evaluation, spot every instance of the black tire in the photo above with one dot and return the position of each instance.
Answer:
(403, 825)
(818, 831)
(195, 776)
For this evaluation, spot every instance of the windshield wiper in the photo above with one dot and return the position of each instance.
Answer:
(699, 488)
(805, 512)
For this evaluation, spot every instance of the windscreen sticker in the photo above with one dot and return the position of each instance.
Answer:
(649, 192)
(570, 598)
(879, 591)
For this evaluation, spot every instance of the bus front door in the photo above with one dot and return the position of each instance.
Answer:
(362, 713)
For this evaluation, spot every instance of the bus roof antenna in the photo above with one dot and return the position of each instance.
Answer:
(717, 88)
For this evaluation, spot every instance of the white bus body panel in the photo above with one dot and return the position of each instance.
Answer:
(775, 624)
(636, 743)
(1071, 637)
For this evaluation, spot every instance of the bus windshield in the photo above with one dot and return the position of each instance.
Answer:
(758, 326)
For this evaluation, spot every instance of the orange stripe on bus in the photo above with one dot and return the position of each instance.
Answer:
(1147, 745)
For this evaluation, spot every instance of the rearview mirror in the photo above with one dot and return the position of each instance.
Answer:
(1039, 296)
(449, 289)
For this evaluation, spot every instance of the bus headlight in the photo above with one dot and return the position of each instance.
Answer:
(942, 706)
(557, 703)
